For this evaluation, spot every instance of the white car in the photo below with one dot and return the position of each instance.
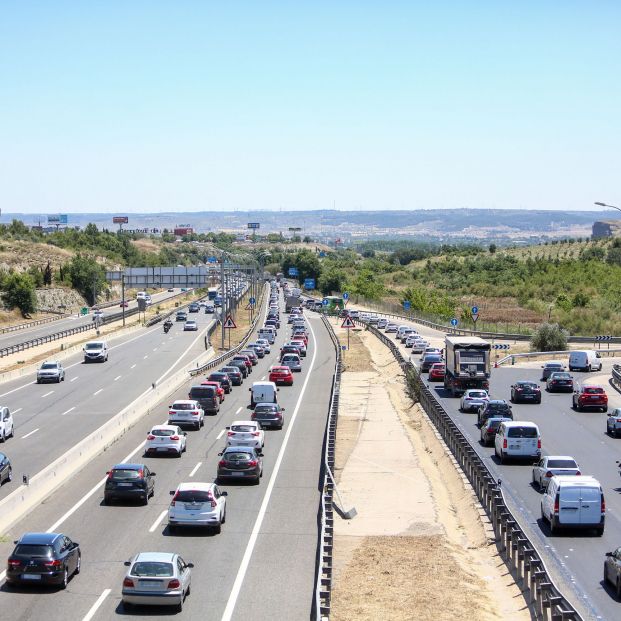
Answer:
(245, 433)
(429, 350)
(554, 465)
(411, 339)
(473, 399)
(186, 412)
(6, 424)
(391, 327)
(163, 439)
(382, 323)
(190, 326)
(51, 371)
(197, 504)
(265, 344)
(419, 346)
(98, 314)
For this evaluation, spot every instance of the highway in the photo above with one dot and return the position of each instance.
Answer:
(576, 557)
(261, 566)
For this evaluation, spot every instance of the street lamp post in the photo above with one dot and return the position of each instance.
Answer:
(600, 204)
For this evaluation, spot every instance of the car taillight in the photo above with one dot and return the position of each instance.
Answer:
(504, 443)
(252, 463)
(549, 474)
(174, 437)
(618, 420)
(603, 504)
(128, 582)
(14, 563)
(55, 563)
(556, 504)
(170, 412)
(230, 433)
(539, 443)
(213, 504)
(578, 473)
(174, 584)
(150, 437)
(256, 433)
(110, 474)
(194, 413)
(222, 462)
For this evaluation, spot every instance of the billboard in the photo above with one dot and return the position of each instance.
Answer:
(59, 218)
(120, 219)
(253, 225)
(183, 230)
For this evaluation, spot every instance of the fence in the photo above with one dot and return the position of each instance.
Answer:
(616, 376)
(30, 324)
(547, 601)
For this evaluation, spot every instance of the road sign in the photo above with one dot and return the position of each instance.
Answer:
(346, 296)
(253, 225)
(604, 337)
(474, 310)
(407, 305)
(229, 323)
(454, 322)
(251, 301)
(309, 284)
(348, 323)
(212, 260)
(322, 254)
(500, 346)
(84, 310)
(475, 316)
(325, 302)
(293, 271)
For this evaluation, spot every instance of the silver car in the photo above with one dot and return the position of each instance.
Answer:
(156, 579)
(473, 399)
(292, 361)
(51, 372)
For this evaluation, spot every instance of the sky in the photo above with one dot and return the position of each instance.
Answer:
(132, 106)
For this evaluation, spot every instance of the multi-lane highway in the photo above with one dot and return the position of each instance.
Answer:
(575, 557)
(261, 566)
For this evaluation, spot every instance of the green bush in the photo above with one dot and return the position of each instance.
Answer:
(19, 291)
(549, 337)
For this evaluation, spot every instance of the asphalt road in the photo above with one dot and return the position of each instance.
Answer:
(261, 566)
(576, 557)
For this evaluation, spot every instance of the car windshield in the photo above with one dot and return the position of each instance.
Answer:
(290, 358)
(202, 391)
(94, 345)
(477, 394)
(245, 428)
(183, 406)
(163, 432)
(522, 432)
(237, 456)
(562, 463)
(122, 474)
(499, 406)
(593, 390)
(31, 549)
(233, 370)
(554, 365)
(49, 365)
(561, 376)
(193, 495)
(264, 408)
(162, 570)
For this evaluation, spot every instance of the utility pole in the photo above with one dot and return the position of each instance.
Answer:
(223, 296)
(123, 297)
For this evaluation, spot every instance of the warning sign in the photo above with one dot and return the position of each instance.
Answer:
(348, 323)
(229, 323)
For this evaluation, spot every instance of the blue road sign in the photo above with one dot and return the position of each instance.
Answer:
(251, 301)
(322, 254)
(407, 304)
(346, 296)
(474, 310)
(325, 302)
(454, 322)
(293, 271)
(212, 260)
(309, 284)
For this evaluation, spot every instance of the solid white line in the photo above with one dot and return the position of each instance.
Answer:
(243, 568)
(91, 613)
(220, 434)
(157, 522)
(17, 410)
(239, 409)
(198, 465)
(118, 377)
(73, 379)
(97, 392)
(69, 410)
(133, 365)
(30, 433)
(47, 394)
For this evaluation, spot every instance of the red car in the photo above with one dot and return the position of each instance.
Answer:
(436, 372)
(124, 304)
(217, 386)
(589, 396)
(281, 375)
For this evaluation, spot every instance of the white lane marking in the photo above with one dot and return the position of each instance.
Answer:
(157, 522)
(17, 410)
(91, 613)
(30, 433)
(69, 410)
(16, 389)
(198, 465)
(73, 379)
(97, 392)
(220, 434)
(145, 356)
(263, 377)
(239, 409)
(118, 377)
(243, 567)
(47, 394)
(133, 365)
(155, 349)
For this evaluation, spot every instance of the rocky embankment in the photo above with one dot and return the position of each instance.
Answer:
(55, 298)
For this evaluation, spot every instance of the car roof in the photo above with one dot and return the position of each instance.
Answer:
(559, 457)
(167, 427)
(243, 422)
(39, 538)
(553, 363)
(263, 384)
(272, 405)
(184, 401)
(527, 382)
(520, 423)
(581, 481)
(592, 386)
(279, 366)
(497, 401)
(197, 485)
(237, 449)
(155, 557)
(231, 369)
(498, 418)
(128, 467)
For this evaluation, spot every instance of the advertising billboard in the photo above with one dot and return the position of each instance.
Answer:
(253, 225)
(183, 230)
(59, 218)
(120, 219)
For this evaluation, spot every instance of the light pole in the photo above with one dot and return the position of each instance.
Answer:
(600, 204)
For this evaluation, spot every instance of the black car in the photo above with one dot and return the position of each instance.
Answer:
(43, 558)
(560, 381)
(489, 430)
(526, 392)
(6, 472)
(429, 360)
(549, 368)
(235, 375)
(240, 462)
(241, 365)
(495, 408)
(269, 415)
(181, 316)
(272, 323)
(207, 398)
(128, 482)
(223, 378)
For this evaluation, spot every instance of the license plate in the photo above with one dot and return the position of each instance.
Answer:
(514, 446)
(31, 577)
(125, 484)
(238, 474)
(148, 585)
(162, 448)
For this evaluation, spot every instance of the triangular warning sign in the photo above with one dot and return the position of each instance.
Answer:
(348, 323)
(229, 323)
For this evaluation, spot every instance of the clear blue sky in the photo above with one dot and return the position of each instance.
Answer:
(129, 106)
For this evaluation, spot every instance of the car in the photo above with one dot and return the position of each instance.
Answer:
(186, 412)
(494, 408)
(265, 344)
(165, 439)
(613, 424)
(241, 366)
(190, 326)
(550, 367)
(430, 350)
(273, 323)
(292, 361)
(156, 579)
(233, 374)
(245, 433)
(124, 304)
(98, 315)
(429, 360)
(206, 397)
(245, 359)
(51, 371)
(419, 345)
(268, 415)
(217, 385)
(222, 378)
(171, 290)
(560, 381)
(254, 358)
(194, 307)
(436, 372)
(129, 482)
(391, 327)
(6, 470)
(612, 570)
(489, 429)
(197, 504)
(298, 340)
(181, 316)
(405, 334)
(95, 351)
(258, 349)
(382, 323)
(43, 559)
(240, 462)
(585, 360)
(7, 427)
(517, 439)
(554, 465)
(281, 374)
(525, 391)
(210, 309)
(411, 339)
(589, 396)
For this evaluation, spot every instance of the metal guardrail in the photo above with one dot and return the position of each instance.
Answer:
(30, 324)
(616, 376)
(549, 354)
(323, 578)
(515, 547)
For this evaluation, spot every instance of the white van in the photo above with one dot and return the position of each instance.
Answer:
(263, 392)
(95, 351)
(574, 502)
(269, 334)
(587, 360)
(518, 440)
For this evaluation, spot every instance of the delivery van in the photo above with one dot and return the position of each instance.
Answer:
(586, 360)
(263, 392)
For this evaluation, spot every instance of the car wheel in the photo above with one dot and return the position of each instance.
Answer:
(63, 584)
(145, 499)
(538, 400)
(180, 604)
(502, 457)
(223, 518)
(605, 409)
(58, 380)
(599, 532)
(179, 453)
(3, 437)
(618, 588)
(78, 565)
(553, 526)
(9, 476)
(197, 426)
(217, 529)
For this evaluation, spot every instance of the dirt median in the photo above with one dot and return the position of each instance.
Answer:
(419, 530)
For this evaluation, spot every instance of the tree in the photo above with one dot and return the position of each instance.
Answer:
(549, 337)
(307, 239)
(19, 290)
(331, 280)
(47, 275)
(492, 248)
(87, 276)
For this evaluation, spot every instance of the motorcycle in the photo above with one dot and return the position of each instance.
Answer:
(167, 326)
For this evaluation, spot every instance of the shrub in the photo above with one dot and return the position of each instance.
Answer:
(549, 337)
(19, 290)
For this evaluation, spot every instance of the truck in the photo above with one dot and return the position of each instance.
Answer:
(292, 301)
(468, 364)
